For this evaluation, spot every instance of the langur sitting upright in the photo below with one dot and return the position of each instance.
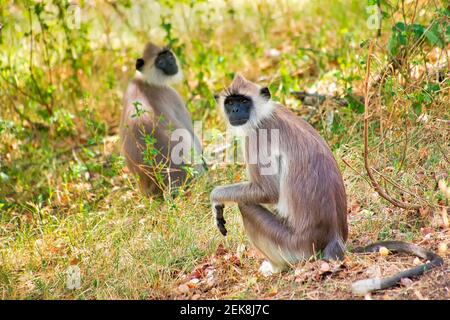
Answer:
(154, 119)
(290, 166)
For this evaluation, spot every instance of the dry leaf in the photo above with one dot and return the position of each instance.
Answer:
(220, 251)
(374, 271)
(442, 249)
(374, 196)
(444, 215)
(183, 288)
(324, 267)
(419, 295)
(233, 259)
(384, 252)
(272, 292)
(426, 231)
(240, 250)
(193, 283)
(406, 282)
(424, 212)
(417, 261)
(442, 185)
(368, 296)
(423, 153)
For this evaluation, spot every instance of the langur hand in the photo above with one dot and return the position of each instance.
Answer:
(217, 208)
(218, 215)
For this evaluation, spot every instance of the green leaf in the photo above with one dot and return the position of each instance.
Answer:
(393, 44)
(4, 177)
(417, 29)
(417, 108)
(38, 8)
(402, 39)
(354, 104)
(433, 37)
(399, 26)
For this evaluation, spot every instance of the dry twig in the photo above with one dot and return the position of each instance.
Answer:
(373, 181)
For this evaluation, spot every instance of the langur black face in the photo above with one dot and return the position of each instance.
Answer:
(166, 62)
(237, 108)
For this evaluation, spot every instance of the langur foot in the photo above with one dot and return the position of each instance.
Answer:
(267, 269)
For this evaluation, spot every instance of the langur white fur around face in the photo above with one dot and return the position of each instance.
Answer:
(156, 76)
(263, 105)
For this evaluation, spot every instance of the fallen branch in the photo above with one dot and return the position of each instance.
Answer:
(316, 99)
(373, 181)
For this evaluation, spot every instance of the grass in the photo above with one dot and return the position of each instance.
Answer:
(66, 198)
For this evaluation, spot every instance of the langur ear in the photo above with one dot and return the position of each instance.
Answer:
(265, 93)
(139, 64)
(238, 80)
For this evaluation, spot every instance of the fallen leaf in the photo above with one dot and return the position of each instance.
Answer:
(374, 271)
(220, 251)
(192, 283)
(419, 295)
(406, 282)
(442, 249)
(183, 288)
(426, 231)
(374, 196)
(423, 153)
(417, 261)
(444, 215)
(354, 209)
(200, 271)
(272, 292)
(324, 267)
(240, 250)
(442, 186)
(252, 281)
(233, 259)
(368, 296)
(384, 252)
(424, 212)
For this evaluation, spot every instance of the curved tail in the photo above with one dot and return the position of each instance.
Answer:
(365, 286)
